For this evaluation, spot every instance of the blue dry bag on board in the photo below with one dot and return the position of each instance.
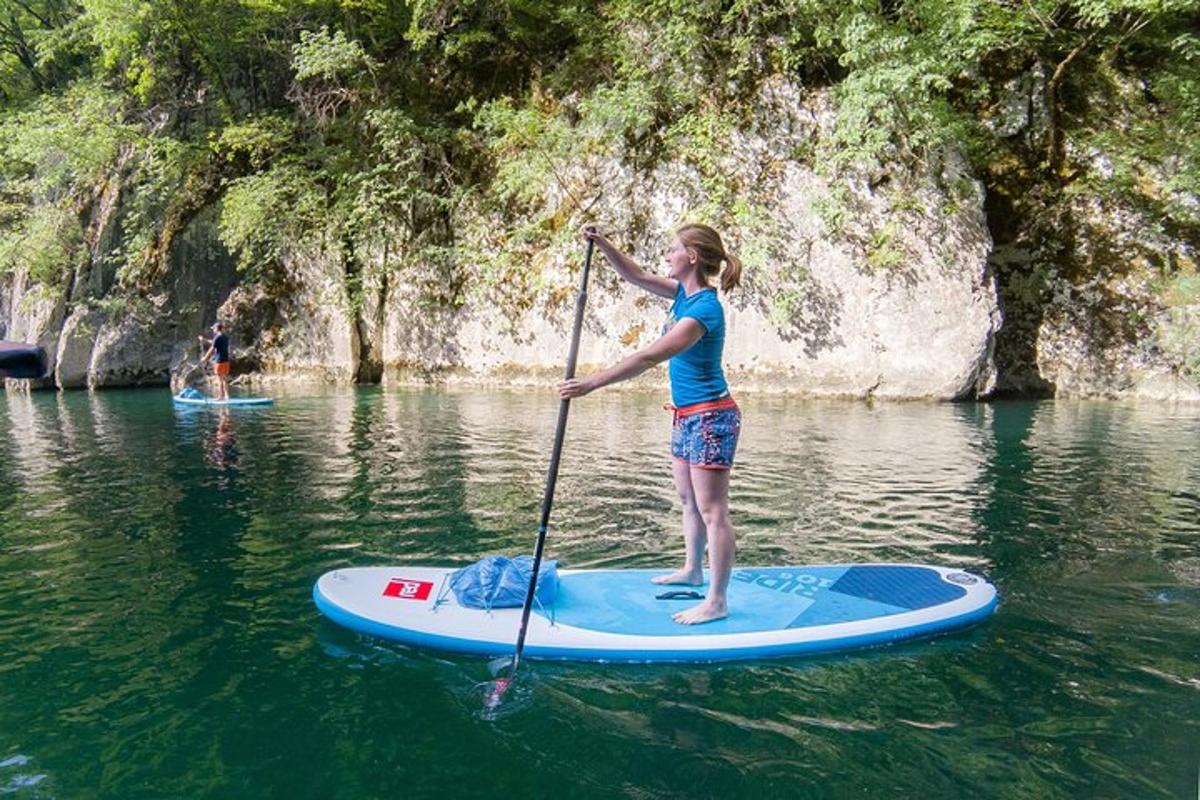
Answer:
(191, 394)
(501, 582)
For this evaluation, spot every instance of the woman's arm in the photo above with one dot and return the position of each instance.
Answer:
(627, 268)
(685, 334)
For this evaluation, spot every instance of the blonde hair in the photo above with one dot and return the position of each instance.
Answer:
(711, 253)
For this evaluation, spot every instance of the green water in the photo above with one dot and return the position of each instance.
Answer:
(157, 636)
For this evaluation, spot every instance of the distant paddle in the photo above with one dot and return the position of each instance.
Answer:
(497, 688)
(188, 372)
(20, 360)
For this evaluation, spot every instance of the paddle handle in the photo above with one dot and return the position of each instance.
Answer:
(560, 432)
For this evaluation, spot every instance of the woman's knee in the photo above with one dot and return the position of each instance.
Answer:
(715, 515)
(685, 490)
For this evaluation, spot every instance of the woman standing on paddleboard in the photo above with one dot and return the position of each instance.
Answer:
(707, 420)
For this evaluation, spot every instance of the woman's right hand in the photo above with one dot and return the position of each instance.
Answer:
(574, 387)
(591, 233)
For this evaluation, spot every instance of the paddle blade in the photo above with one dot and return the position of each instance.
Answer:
(504, 696)
(495, 693)
(503, 671)
(501, 666)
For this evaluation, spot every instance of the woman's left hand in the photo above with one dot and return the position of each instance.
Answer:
(574, 387)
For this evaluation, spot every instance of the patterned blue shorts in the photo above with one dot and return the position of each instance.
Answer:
(705, 435)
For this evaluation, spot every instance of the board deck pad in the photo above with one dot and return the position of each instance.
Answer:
(617, 615)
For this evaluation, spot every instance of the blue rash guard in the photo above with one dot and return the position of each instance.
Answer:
(696, 374)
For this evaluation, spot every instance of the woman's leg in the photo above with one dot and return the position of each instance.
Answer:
(711, 490)
(694, 535)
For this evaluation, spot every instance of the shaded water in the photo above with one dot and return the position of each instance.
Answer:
(157, 637)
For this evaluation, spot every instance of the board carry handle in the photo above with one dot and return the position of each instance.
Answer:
(679, 594)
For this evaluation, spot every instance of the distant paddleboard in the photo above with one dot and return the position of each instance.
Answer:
(619, 615)
(233, 401)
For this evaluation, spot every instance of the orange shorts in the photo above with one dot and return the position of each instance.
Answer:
(221, 368)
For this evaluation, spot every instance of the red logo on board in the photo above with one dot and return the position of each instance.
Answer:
(407, 590)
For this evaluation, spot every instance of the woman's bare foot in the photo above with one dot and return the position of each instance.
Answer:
(705, 612)
(681, 578)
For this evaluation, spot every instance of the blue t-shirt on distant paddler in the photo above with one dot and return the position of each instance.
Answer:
(220, 348)
(696, 374)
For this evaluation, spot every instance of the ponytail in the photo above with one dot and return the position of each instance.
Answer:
(731, 276)
(711, 252)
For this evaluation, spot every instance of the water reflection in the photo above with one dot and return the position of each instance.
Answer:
(220, 446)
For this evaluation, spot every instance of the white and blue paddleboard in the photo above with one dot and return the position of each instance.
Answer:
(233, 401)
(619, 615)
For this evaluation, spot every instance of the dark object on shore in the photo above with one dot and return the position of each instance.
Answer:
(20, 360)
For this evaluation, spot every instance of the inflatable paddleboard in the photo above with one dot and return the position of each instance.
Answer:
(619, 615)
(233, 401)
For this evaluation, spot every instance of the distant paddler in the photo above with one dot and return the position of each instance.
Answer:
(218, 351)
(20, 360)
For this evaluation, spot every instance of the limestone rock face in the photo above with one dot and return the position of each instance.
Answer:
(142, 342)
(851, 287)
(1126, 328)
(99, 334)
(74, 357)
(875, 285)
(132, 351)
(307, 331)
(1114, 339)
(1101, 301)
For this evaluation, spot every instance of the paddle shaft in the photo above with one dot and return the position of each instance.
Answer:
(560, 432)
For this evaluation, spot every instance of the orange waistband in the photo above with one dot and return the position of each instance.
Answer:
(697, 408)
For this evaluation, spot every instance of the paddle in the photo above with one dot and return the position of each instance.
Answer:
(201, 363)
(501, 684)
